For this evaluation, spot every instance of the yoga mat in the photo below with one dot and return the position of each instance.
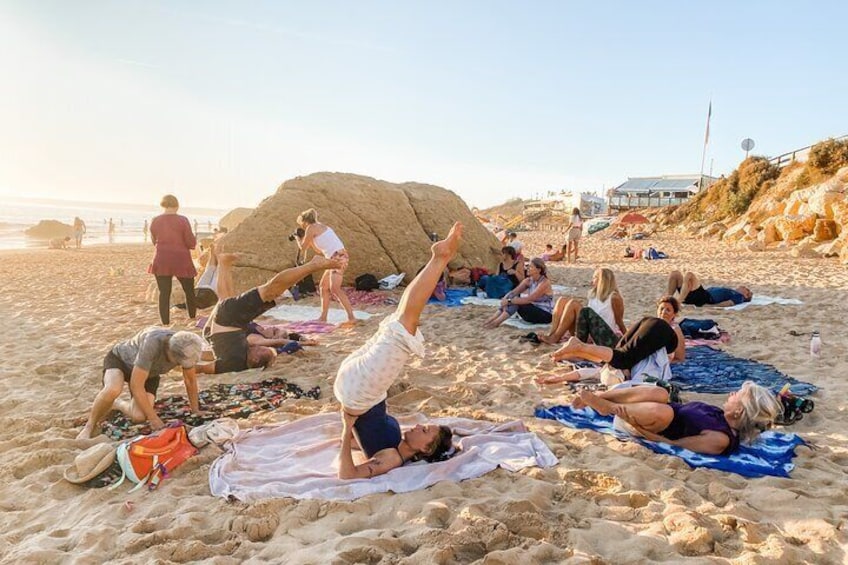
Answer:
(771, 453)
(715, 371)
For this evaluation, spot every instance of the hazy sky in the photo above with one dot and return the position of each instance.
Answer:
(219, 102)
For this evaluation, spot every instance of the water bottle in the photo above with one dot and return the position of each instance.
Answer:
(815, 344)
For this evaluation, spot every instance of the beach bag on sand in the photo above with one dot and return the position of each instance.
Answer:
(497, 286)
(367, 282)
(477, 273)
(146, 460)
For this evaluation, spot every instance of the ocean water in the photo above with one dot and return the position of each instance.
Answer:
(18, 214)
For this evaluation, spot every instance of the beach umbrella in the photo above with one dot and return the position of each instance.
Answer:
(633, 218)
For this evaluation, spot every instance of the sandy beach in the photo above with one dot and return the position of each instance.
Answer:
(605, 502)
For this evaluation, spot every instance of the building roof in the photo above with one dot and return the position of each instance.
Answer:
(646, 185)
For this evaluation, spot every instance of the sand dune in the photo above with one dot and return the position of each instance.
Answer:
(605, 502)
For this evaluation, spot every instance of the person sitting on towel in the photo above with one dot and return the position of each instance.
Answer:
(227, 329)
(695, 426)
(693, 292)
(139, 362)
(602, 318)
(365, 376)
(536, 307)
(667, 309)
(644, 351)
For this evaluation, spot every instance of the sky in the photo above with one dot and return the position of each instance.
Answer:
(221, 102)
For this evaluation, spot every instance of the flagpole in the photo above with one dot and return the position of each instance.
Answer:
(706, 141)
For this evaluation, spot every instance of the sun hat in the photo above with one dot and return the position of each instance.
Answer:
(90, 463)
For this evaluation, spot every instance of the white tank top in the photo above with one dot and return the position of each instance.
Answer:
(328, 242)
(604, 310)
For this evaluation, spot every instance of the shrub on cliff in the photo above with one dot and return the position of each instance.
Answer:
(731, 196)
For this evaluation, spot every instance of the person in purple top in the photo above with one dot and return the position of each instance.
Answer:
(693, 292)
(695, 426)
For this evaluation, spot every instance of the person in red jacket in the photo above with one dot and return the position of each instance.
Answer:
(171, 234)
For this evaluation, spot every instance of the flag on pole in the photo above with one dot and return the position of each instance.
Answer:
(709, 115)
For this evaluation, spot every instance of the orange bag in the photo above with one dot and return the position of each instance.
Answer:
(146, 460)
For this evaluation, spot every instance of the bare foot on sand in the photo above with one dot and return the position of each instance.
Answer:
(448, 247)
(567, 350)
(348, 323)
(85, 433)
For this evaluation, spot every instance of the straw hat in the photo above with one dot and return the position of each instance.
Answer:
(90, 463)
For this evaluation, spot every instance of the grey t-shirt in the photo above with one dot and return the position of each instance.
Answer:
(146, 350)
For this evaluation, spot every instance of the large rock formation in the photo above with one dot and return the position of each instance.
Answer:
(384, 226)
(234, 217)
(49, 229)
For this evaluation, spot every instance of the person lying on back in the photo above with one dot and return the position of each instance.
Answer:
(693, 292)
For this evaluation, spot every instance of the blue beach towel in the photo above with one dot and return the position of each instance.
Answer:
(453, 297)
(771, 454)
(714, 371)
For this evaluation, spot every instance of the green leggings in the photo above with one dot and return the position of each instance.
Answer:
(590, 324)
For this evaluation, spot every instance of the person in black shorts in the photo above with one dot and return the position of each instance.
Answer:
(139, 362)
(693, 292)
(645, 337)
(227, 330)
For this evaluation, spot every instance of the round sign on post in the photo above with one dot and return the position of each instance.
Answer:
(747, 145)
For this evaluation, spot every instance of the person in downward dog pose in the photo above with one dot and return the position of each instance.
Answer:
(365, 376)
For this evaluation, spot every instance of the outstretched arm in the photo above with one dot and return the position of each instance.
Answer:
(190, 381)
(137, 380)
(618, 312)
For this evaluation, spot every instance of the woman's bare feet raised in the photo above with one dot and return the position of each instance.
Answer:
(447, 248)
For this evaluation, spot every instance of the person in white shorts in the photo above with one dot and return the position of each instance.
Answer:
(365, 376)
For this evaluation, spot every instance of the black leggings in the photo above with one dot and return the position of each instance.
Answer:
(164, 284)
(533, 314)
(641, 341)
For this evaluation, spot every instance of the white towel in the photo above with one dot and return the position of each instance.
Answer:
(762, 300)
(300, 459)
(480, 301)
(294, 313)
(516, 322)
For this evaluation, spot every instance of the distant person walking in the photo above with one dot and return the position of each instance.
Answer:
(79, 231)
(324, 240)
(574, 231)
(196, 229)
(144, 230)
(172, 236)
(111, 231)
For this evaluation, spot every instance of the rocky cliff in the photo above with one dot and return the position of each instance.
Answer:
(384, 226)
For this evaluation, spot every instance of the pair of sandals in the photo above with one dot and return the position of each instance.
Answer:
(532, 337)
